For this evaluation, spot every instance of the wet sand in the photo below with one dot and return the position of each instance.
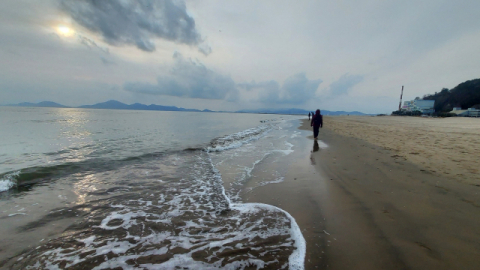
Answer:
(368, 206)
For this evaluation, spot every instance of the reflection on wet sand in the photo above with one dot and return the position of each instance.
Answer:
(315, 146)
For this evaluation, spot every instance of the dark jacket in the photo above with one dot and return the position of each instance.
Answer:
(315, 122)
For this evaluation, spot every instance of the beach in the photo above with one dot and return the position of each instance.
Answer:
(445, 147)
(256, 192)
(384, 193)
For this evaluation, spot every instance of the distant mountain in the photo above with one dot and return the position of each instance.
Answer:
(299, 111)
(465, 95)
(117, 105)
(113, 104)
(40, 104)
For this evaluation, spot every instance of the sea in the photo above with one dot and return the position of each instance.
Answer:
(123, 189)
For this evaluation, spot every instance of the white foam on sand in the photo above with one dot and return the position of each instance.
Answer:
(295, 134)
(297, 258)
(245, 223)
(286, 151)
(8, 181)
(276, 181)
(254, 161)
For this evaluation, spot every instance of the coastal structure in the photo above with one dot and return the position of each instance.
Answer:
(471, 112)
(424, 106)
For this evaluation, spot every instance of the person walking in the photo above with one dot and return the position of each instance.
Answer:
(316, 123)
(308, 115)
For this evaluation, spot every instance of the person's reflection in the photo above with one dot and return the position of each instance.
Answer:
(315, 149)
(315, 146)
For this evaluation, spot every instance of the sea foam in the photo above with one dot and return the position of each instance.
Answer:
(178, 214)
(189, 222)
(8, 181)
(238, 139)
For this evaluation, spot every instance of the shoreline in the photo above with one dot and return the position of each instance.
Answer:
(361, 206)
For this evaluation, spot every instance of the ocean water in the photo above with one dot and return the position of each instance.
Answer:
(101, 189)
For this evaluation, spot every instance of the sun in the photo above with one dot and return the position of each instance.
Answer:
(64, 30)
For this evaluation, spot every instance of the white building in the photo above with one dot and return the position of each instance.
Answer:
(424, 106)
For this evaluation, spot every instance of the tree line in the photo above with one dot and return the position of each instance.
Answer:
(465, 95)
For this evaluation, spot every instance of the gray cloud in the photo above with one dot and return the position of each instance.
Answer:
(205, 49)
(344, 84)
(191, 79)
(106, 61)
(297, 89)
(267, 85)
(89, 43)
(135, 22)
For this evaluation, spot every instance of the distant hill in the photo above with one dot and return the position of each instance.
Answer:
(299, 111)
(465, 95)
(117, 105)
(113, 104)
(40, 104)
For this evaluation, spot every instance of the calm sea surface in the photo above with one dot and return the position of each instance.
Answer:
(98, 189)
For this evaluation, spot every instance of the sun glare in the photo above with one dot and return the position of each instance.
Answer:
(64, 30)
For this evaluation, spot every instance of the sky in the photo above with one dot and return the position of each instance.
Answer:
(343, 55)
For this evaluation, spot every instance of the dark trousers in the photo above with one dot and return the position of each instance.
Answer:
(315, 131)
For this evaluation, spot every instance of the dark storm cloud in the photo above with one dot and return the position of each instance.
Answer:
(135, 22)
(191, 79)
(343, 85)
(297, 89)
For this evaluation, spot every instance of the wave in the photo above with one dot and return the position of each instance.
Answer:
(33, 175)
(186, 220)
(27, 177)
(8, 180)
(30, 176)
(238, 139)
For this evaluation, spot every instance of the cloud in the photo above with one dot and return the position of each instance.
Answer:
(106, 61)
(268, 85)
(135, 23)
(89, 43)
(190, 79)
(344, 84)
(205, 49)
(296, 89)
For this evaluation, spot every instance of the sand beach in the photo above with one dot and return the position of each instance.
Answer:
(443, 146)
(371, 193)
(385, 193)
